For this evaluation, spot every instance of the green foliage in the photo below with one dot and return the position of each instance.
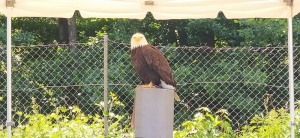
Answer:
(274, 32)
(45, 30)
(221, 31)
(77, 78)
(89, 27)
(206, 125)
(236, 79)
(274, 124)
(19, 37)
(218, 32)
(58, 125)
(224, 77)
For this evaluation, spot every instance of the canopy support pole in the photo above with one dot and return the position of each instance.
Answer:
(9, 121)
(291, 74)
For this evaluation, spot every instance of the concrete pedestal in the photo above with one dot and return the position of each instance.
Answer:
(153, 113)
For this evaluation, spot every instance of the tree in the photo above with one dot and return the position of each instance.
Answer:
(63, 30)
(72, 32)
(68, 31)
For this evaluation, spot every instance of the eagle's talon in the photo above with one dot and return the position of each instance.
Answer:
(150, 85)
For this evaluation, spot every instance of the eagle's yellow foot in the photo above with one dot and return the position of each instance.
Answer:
(150, 85)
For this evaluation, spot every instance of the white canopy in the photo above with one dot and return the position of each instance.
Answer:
(161, 9)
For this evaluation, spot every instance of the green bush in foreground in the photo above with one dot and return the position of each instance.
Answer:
(205, 124)
(275, 124)
(67, 123)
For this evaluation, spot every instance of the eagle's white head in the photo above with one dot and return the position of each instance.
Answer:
(138, 40)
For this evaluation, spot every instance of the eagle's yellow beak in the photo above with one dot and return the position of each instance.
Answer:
(137, 39)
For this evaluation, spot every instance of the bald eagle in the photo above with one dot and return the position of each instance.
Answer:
(151, 65)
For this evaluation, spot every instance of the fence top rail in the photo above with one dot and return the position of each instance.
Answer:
(159, 46)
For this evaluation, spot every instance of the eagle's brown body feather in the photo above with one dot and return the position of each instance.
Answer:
(151, 65)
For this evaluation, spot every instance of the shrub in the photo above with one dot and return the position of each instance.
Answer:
(274, 124)
(19, 37)
(206, 125)
(58, 125)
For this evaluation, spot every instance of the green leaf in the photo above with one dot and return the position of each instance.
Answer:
(105, 113)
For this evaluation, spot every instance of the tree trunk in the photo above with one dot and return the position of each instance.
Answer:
(209, 39)
(72, 32)
(63, 30)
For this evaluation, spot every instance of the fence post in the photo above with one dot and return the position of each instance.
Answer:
(105, 83)
(291, 74)
(154, 113)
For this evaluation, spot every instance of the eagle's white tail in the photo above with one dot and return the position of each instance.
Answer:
(176, 96)
(166, 86)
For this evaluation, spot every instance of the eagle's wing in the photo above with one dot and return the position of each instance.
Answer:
(157, 61)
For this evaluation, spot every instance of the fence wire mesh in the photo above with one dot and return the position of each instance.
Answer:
(243, 80)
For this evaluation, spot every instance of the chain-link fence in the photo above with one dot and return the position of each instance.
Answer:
(243, 80)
